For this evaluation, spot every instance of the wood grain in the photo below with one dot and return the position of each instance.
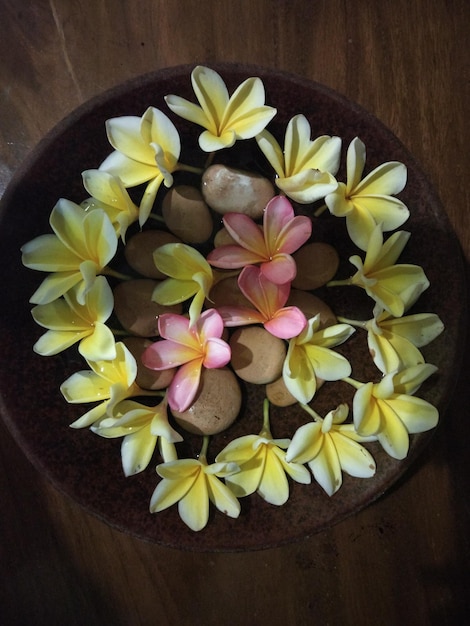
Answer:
(405, 559)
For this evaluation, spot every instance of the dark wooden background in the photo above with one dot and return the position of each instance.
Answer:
(403, 560)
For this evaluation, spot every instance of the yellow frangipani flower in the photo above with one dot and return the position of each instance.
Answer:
(393, 287)
(108, 382)
(146, 150)
(69, 322)
(368, 202)
(263, 465)
(309, 357)
(225, 118)
(189, 275)
(83, 244)
(141, 427)
(330, 447)
(193, 484)
(394, 342)
(305, 169)
(389, 411)
(109, 194)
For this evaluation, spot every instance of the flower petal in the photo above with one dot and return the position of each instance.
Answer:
(218, 353)
(354, 458)
(272, 151)
(100, 344)
(355, 161)
(168, 492)
(55, 341)
(124, 134)
(326, 467)
(306, 443)
(194, 505)
(387, 179)
(222, 497)
(184, 385)
(280, 270)
(417, 415)
(246, 233)
(274, 487)
(137, 450)
(286, 323)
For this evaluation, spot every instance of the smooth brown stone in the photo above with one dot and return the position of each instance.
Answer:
(257, 356)
(317, 263)
(226, 292)
(140, 248)
(311, 305)
(227, 189)
(278, 394)
(223, 238)
(187, 215)
(216, 406)
(136, 311)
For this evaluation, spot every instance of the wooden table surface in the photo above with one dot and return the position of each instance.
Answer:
(404, 559)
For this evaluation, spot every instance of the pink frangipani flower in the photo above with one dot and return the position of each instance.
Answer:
(269, 300)
(188, 347)
(282, 234)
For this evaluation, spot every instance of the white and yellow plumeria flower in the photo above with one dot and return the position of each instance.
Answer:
(69, 322)
(225, 118)
(263, 465)
(109, 194)
(395, 287)
(389, 411)
(309, 356)
(394, 342)
(368, 202)
(193, 484)
(305, 169)
(190, 276)
(330, 447)
(108, 382)
(141, 427)
(81, 247)
(146, 150)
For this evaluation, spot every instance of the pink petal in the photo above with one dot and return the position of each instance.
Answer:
(287, 323)
(294, 234)
(209, 325)
(218, 353)
(165, 354)
(252, 288)
(172, 326)
(184, 386)
(275, 295)
(240, 316)
(265, 295)
(277, 214)
(232, 257)
(245, 232)
(280, 270)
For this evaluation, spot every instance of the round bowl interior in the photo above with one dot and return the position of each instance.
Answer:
(88, 468)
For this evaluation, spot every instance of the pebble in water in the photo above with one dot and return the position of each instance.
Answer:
(227, 189)
(212, 411)
(136, 311)
(139, 251)
(257, 356)
(187, 215)
(317, 263)
(311, 305)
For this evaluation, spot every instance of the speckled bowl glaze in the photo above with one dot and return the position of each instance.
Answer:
(88, 468)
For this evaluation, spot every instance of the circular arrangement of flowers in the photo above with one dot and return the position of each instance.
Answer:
(221, 292)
